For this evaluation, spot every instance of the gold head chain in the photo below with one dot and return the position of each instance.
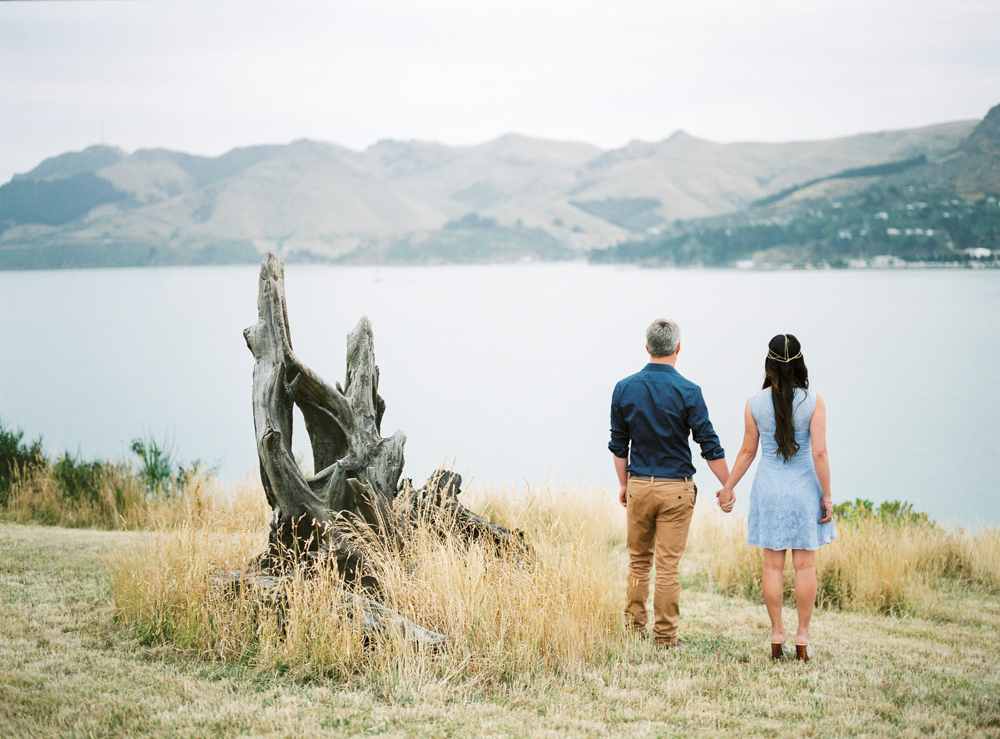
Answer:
(785, 359)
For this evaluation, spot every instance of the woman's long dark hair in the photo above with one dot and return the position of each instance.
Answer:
(784, 370)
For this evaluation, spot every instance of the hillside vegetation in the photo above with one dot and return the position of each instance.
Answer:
(883, 225)
(914, 211)
(399, 202)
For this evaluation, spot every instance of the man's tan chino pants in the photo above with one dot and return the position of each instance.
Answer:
(659, 515)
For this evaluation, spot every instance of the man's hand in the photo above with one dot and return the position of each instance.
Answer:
(621, 469)
(727, 499)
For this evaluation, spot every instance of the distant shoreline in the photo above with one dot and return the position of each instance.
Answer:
(907, 267)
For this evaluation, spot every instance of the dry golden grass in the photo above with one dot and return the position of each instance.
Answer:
(873, 564)
(984, 558)
(70, 667)
(36, 497)
(508, 624)
(123, 633)
(123, 502)
(507, 621)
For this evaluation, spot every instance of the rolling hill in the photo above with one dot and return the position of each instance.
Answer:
(398, 201)
(941, 208)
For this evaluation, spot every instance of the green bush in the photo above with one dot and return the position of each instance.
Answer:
(159, 470)
(891, 511)
(78, 479)
(16, 458)
(73, 491)
(157, 463)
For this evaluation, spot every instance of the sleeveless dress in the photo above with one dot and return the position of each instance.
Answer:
(785, 499)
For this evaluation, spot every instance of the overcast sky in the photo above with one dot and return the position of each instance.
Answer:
(209, 75)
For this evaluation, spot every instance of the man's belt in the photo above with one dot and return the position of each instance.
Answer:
(649, 478)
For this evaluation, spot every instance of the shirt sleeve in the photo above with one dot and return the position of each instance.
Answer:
(619, 429)
(701, 429)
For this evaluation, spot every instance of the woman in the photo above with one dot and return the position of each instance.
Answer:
(790, 503)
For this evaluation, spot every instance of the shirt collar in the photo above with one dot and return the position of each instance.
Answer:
(656, 367)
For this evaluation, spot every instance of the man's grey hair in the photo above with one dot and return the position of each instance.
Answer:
(662, 337)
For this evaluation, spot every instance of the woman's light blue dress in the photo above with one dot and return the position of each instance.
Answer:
(785, 499)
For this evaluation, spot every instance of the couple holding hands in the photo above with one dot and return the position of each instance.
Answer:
(652, 414)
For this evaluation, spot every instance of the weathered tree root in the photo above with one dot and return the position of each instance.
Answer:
(436, 504)
(376, 619)
(322, 518)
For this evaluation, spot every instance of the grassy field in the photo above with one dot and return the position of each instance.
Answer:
(72, 663)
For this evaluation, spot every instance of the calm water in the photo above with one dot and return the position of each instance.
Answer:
(509, 369)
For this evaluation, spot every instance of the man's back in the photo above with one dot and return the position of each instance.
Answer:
(653, 411)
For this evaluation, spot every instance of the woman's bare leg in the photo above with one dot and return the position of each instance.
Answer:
(772, 583)
(804, 563)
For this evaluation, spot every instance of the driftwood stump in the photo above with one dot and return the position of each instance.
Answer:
(359, 471)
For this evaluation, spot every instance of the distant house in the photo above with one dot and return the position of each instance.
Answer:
(844, 234)
(887, 260)
(979, 253)
(892, 231)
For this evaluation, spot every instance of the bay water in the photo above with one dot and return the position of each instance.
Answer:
(507, 371)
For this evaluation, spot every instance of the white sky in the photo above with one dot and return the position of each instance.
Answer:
(209, 75)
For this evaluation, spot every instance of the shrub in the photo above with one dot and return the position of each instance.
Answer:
(118, 499)
(111, 494)
(79, 480)
(17, 459)
(108, 497)
(891, 511)
(158, 468)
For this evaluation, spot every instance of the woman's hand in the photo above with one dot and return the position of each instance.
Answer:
(827, 505)
(727, 499)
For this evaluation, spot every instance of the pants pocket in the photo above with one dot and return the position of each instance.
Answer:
(633, 490)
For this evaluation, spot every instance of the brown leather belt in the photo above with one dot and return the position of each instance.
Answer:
(647, 478)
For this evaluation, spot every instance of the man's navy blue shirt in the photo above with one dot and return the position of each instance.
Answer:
(654, 410)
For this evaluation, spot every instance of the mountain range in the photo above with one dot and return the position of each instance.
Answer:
(412, 201)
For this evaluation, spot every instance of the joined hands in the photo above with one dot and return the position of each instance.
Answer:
(727, 499)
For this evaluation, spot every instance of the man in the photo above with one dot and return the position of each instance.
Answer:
(652, 413)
